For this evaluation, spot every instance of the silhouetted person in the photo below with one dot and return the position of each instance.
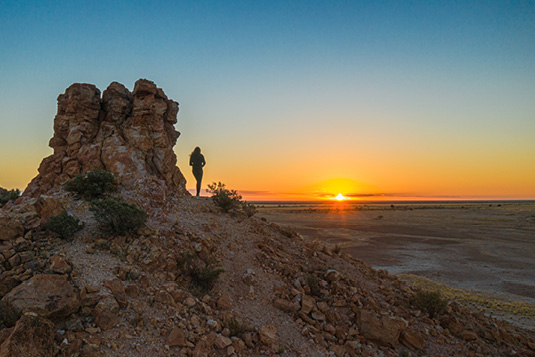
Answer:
(196, 160)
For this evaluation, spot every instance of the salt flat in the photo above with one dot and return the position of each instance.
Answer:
(484, 246)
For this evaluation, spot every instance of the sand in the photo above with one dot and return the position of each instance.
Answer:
(483, 246)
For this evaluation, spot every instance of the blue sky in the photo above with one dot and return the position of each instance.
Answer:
(313, 89)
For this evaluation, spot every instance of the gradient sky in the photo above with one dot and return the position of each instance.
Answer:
(295, 99)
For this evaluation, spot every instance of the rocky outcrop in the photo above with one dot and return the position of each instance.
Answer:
(48, 296)
(130, 134)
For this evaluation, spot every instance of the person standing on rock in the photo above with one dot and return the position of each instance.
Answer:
(196, 160)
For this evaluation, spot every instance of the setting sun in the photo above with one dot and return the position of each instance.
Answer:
(340, 197)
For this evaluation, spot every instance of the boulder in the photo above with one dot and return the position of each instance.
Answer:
(118, 290)
(47, 206)
(307, 304)
(89, 296)
(10, 228)
(48, 296)
(332, 275)
(268, 334)
(222, 342)
(224, 302)
(467, 335)
(60, 264)
(107, 313)
(385, 330)
(285, 305)
(32, 336)
(412, 340)
(176, 337)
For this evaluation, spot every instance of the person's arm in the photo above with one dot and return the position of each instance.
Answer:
(203, 161)
(191, 160)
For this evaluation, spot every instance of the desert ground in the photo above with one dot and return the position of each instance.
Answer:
(479, 246)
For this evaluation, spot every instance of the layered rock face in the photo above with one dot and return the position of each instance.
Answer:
(130, 134)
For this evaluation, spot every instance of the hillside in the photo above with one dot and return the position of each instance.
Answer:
(150, 293)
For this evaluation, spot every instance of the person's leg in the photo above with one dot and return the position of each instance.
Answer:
(198, 186)
(198, 177)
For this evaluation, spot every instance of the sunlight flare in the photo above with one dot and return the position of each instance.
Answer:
(340, 197)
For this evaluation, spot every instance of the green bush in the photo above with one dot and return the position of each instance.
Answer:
(64, 225)
(92, 185)
(117, 217)
(8, 195)
(430, 302)
(202, 276)
(223, 197)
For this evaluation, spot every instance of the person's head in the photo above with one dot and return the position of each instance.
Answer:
(196, 151)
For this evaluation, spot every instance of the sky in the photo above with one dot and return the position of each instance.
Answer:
(295, 100)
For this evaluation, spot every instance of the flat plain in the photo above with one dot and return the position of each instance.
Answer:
(485, 247)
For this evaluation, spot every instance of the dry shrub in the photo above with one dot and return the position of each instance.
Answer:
(8, 195)
(202, 276)
(431, 302)
(92, 185)
(64, 225)
(117, 217)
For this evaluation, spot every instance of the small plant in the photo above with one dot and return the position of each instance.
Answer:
(202, 276)
(235, 327)
(8, 195)
(92, 185)
(223, 197)
(337, 249)
(115, 216)
(249, 209)
(313, 283)
(430, 302)
(64, 225)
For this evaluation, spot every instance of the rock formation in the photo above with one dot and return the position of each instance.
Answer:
(130, 134)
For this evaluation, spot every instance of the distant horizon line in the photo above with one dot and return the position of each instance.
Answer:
(395, 201)
(264, 196)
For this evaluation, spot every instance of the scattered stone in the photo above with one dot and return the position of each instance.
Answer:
(268, 334)
(468, 335)
(222, 342)
(47, 206)
(176, 337)
(412, 340)
(60, 265)
(190, 302)
(117, 289)
(107, 313)
(385, 330)
(285, 305)
(307, 304)
(89, 296)
(10, 229)
(132, 291)
(224, 302)
(248, 278)
(332, 275)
